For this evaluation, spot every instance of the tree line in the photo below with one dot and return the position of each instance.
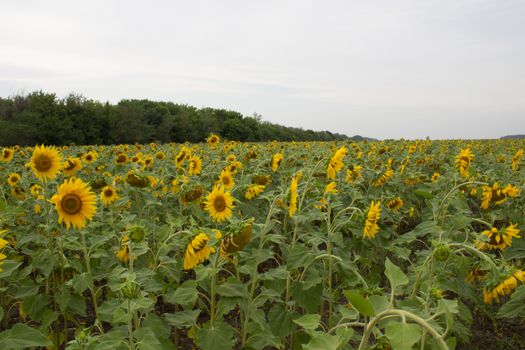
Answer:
(43, 118)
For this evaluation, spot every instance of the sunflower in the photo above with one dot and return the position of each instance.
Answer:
(7, 154)
(353, 173)
(12, 179)
(381, 180)
(45, 162)
(121, 158)
(331, 188)
(19, 193)
(505, 287)
(497, 195)
(75, 203)
(123, 253)
(463, 161)
(516, 160)
(500, 240)
(276, 161)
(137, 180)
(395, 204)
(90, 157)
(435, 177)
(254, 191)
(292, 209)
(371, 227)
(195, 165)
(71, 166)
(237, 241)
(235, 167)
(160, 155)
(336, 163)
(219, 204)
(213, 140)
(108, 195)
(226, 179)
(183, 154)
(261, 180)
(191, 195)
(197, 251)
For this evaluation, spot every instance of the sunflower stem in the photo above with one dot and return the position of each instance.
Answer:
(91, 283)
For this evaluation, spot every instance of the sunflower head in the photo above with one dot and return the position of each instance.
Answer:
(75, 203)
(45, 162)
(108, 195)
(7, 154)
(197, 251)
(213, 140)
(226, 179)
(219, 204)
(71, 166)
(12, 179)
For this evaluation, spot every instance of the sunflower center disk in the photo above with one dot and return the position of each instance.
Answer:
(43, 163)
(219, 204)
(108, 193)
(71, 204)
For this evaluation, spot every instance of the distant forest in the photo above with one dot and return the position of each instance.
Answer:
(42, 118)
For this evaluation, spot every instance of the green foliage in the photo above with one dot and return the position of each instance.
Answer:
(42, 118)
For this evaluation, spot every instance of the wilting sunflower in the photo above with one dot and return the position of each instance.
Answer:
(499, 239)
(12, 179)
(331, 188)
(123, 253)
(219, 204)
(353, 173)
(516, 160)
(504, 288)
(497, 195)
(254, 191)
(463, 160)
(192, 194)
(336, 163)
(108, 195)
(213, 140)
(75, 203)
(7, 154)
(276, 161)
(194, 166)
(197, 251)
(71, 166)
(181, 156)
(45, 162)
(383, 178)
(261, 180)
(236, 242)
(137, 180)
(371, 227)
(226, 179)
(292, 209)
(395, 204)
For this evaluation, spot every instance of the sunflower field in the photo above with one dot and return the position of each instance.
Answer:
(228, 245)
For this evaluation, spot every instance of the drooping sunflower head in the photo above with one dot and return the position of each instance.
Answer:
(253, 191)
(331, 188)
(45, 162)
(75, 203)
(71, 166)
(505, 286)
(463, 160)
(276, 161)
(499, 239)
(108, 195)
(219, 204)
(12, 179)
(236, 241)
(395, 204)
(197, 251)
(371, 228)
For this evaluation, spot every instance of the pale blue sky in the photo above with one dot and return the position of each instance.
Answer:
(384, 69)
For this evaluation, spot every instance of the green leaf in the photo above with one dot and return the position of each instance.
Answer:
(308, 298)
(81, 282)
(185, 295)
(322, 341)
(395, 275)
(21, 337)
(363, 305)
(219, 337)
(309, 321)
(232, 288)
(183, 318)
(380, 303)
(8, 267)
(281, 321)
(402, 336)
(515, 307)
(516, 251)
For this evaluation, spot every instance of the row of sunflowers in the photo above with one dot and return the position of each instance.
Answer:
(228, 245)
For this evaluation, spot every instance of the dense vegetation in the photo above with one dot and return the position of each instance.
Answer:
(41, 117)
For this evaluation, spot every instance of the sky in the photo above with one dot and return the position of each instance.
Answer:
(383, 69)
